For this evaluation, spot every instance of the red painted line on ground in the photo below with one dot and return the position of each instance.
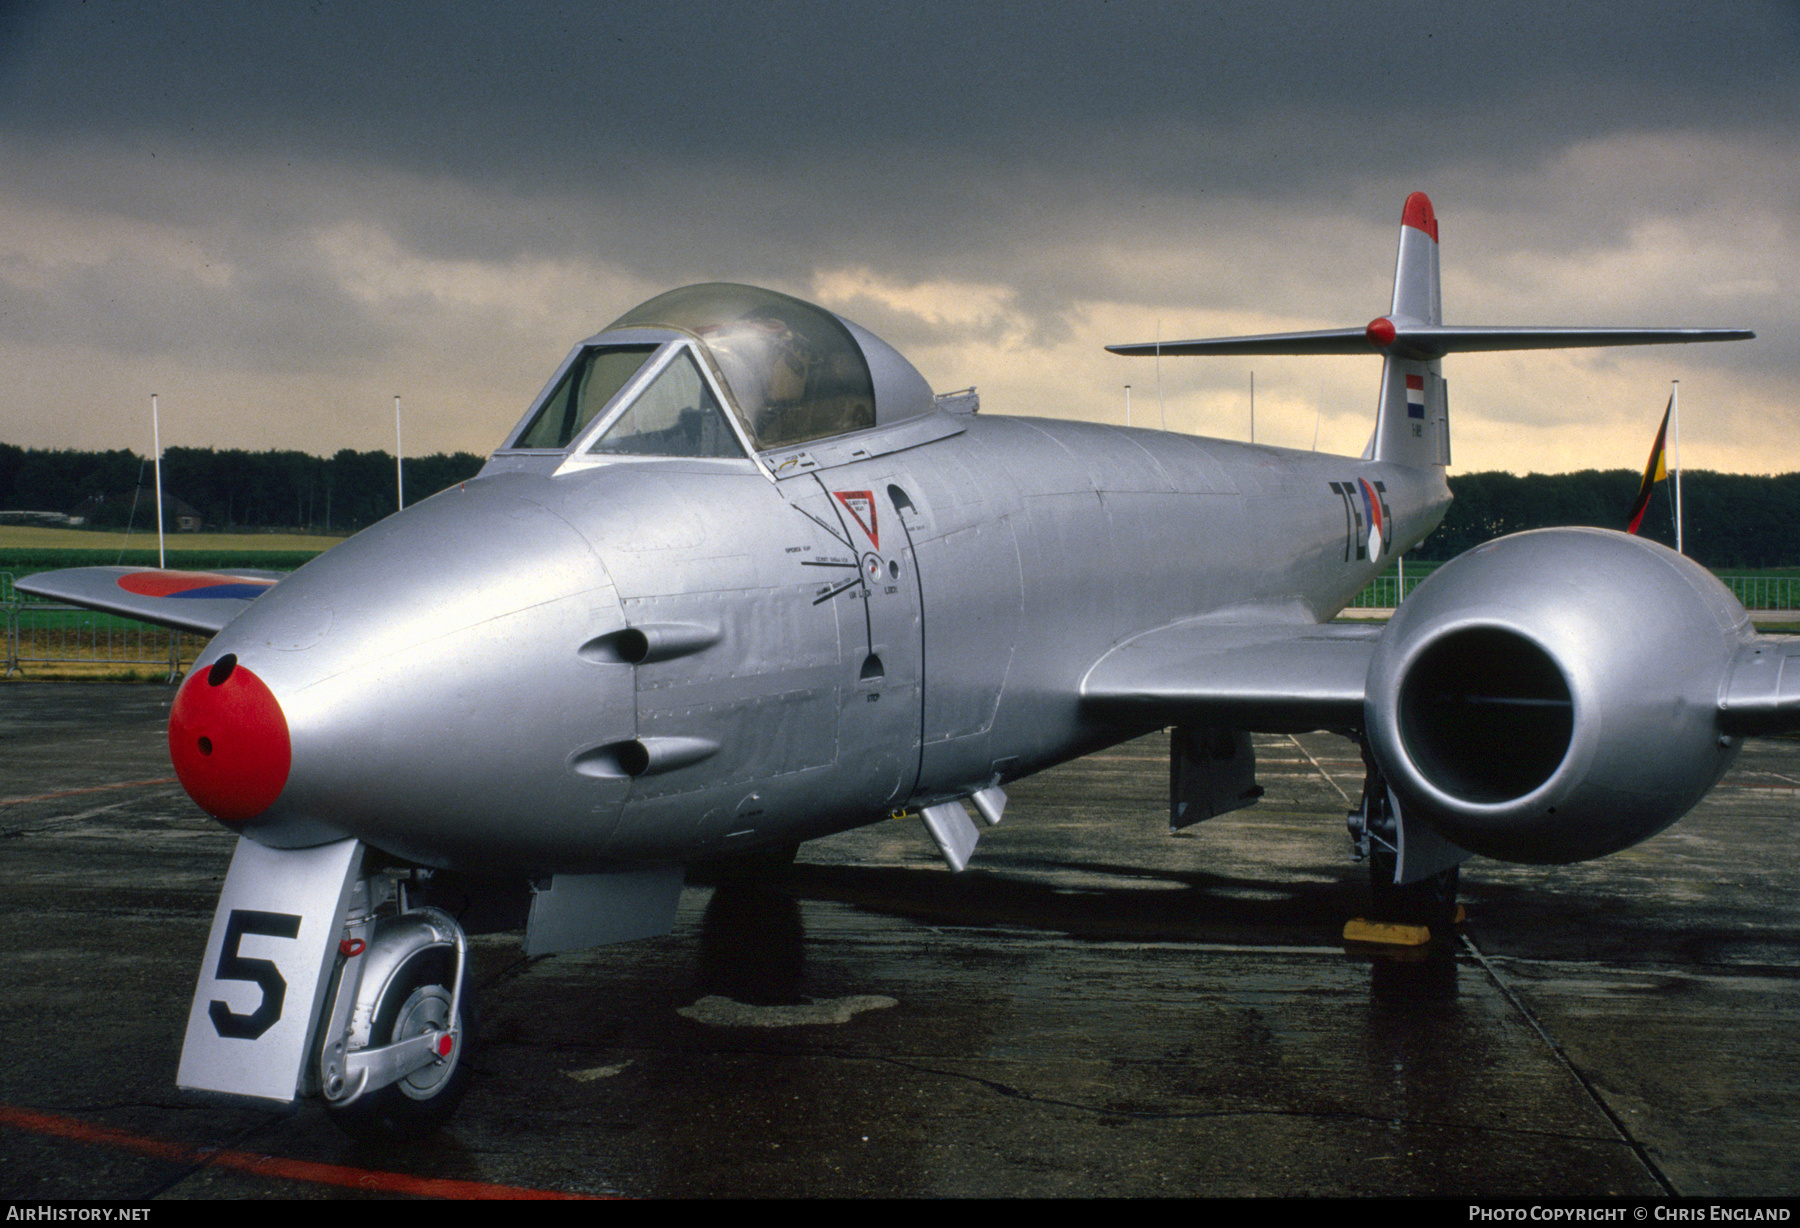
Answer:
(269, 1166)
(123, 784)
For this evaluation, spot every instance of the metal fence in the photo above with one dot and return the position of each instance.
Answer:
(1755, 592)
(1765, 592)
(40, 633)
(1383, 593)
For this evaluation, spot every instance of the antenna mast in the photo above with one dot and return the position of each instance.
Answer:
(156, 446)
(399, 471)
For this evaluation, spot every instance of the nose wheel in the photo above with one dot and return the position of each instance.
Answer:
(415, 1003)
(404, 1077)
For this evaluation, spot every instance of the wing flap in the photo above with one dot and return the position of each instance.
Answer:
(198, 601)
(1271, 679)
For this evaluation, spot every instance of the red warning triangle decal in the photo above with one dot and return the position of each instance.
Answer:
(861, 506)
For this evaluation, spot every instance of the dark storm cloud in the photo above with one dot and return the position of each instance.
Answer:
(691, 140)
(395, 186)
(589, 94)
(282, 316)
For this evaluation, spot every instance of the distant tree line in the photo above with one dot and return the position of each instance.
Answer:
(1729, 520)
(231, 489)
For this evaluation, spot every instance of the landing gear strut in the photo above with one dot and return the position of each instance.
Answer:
(393, 1062)
(1374, 827)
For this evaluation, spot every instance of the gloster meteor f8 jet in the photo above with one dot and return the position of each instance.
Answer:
(739, 579)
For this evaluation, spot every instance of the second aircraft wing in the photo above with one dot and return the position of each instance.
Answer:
(198, 601)
(1273, 678)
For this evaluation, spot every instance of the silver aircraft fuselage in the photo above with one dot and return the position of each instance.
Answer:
(842, 642)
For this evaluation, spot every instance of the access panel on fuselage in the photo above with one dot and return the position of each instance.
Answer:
(959, 524)
(849, 542)
(747, 711)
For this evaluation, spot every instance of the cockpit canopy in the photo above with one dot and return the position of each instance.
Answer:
(672, 376)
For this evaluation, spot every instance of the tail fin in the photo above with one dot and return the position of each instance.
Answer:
(1412, 425)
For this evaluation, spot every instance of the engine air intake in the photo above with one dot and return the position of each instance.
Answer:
(1486, 715)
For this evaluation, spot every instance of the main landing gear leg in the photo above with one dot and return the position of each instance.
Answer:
(1401, 913)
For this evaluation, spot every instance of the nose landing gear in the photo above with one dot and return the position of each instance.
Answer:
(393, 1062)
(320, 981)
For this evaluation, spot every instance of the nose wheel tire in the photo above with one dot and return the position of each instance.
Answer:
(416, 1001)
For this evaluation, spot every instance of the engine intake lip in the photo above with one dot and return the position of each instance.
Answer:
(1486, 715)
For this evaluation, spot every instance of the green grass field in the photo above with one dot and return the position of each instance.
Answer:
(100, 638)
(24, 550)
(26, 537)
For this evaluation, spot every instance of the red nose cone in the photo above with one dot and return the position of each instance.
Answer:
(229, 741)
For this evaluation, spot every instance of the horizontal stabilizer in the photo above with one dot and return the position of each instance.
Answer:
(198, 601)
(1427, 341)
(1325, 341)
(1273, 679)
(1412, 419)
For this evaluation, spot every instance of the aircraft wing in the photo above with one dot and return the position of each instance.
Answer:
(198, 601)
(1283, 679)
(1763, 693)
(1271, 678)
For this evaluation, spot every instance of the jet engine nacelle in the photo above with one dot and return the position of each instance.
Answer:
(1554, 696)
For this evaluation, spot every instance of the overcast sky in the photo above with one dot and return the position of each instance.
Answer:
(278, 215)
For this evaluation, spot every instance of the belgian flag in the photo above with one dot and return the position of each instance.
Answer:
(1654, 472)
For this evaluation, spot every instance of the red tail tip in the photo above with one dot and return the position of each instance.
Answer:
(1419, 215)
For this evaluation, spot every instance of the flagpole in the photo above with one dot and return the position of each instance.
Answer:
(1675, 422)
(156, 444)
(399, 453)
(1162, 415)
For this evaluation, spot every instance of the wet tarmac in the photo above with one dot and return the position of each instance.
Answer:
(1093, 1008)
